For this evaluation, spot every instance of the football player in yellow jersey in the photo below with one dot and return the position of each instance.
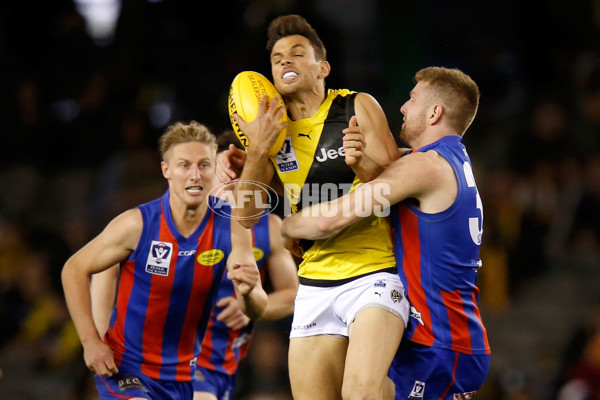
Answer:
(351, 309)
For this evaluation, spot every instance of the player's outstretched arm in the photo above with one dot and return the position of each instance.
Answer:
(421, 176)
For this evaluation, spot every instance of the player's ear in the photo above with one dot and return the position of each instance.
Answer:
(325, 69)
(165, 169)
(435, 114)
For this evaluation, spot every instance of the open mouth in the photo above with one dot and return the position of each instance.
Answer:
(289, 75)
(194, 189)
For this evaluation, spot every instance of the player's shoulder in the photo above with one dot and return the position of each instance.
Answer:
(131, 217)
(367, 107)
(128, 224)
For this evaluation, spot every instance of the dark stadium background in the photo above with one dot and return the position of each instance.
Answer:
(80, 116)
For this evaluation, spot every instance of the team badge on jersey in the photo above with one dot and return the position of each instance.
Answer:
(418, 391)
(286, 159)
(159, 258)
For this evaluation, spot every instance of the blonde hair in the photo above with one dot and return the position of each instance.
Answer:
(178, 133)
(457, 92)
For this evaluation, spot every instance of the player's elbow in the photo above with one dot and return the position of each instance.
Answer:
(327, 226)
(66, 272)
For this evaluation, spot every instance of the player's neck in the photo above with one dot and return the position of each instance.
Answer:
(187, 218)
(306, 104)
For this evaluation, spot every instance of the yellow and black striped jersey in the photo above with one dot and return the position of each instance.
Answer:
(312, 168)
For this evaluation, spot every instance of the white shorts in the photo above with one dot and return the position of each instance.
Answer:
(331, 310)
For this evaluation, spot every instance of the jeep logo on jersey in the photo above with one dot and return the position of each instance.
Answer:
(159, 258)
(330, 154)
(210, 257)
(238, 194)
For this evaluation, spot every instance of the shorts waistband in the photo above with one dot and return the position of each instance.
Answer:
(338, 282)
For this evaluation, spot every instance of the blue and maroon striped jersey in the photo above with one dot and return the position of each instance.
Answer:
(167, 288)
(223, 348)
(438, 257)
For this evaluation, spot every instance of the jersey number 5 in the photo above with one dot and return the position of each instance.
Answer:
(475, 224)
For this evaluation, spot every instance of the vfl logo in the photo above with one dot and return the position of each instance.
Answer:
(418, 391)
(286, 159)
(396, 296)
(159, 258)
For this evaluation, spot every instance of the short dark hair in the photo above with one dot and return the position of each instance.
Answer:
(289, 25)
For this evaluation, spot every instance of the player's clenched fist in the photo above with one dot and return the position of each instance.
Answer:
(244, 277)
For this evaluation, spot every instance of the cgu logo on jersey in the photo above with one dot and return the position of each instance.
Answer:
(330, 154)
(210, 257)
(159, 258)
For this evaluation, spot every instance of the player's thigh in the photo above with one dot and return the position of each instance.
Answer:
(204, 396)
(375, 336)
(316, 366)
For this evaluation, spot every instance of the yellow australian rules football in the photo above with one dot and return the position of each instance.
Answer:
(246, 91)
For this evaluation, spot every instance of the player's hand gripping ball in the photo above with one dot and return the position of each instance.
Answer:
(246, 90)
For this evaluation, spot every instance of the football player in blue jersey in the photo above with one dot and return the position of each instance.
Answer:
(437, 218)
